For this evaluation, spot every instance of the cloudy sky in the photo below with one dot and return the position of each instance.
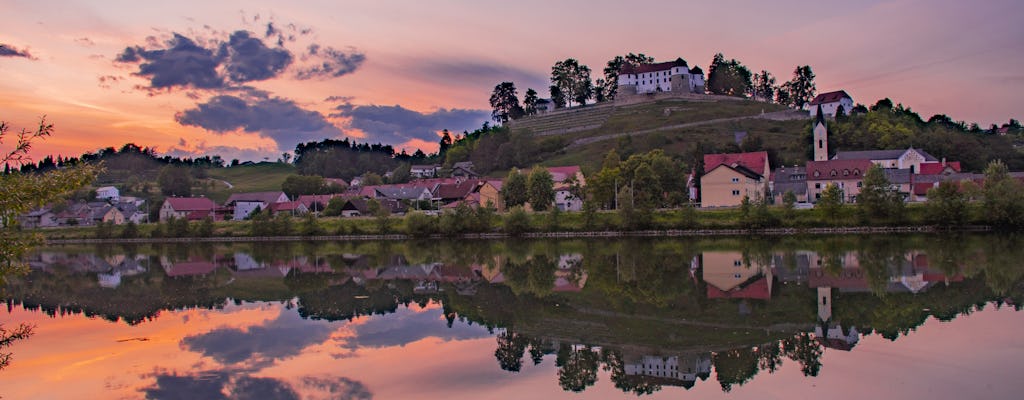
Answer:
(252, 79)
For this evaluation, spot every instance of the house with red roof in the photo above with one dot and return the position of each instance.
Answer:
(244, 204)
(728, 178)
(848, 175)
(672, 76)
(193, 208)
(830, 103)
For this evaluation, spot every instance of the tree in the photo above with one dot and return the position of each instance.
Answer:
(517, 221)
(830, 203)
(20, 193)
(175, 181)
(1002, 197)
(446, 142)
(572, 80)
(946, 205)
(540, 189)
(783, 94)
(878, 198)
(296, 185)
(372, 179)
(514, 191)
(611, 71)
(788, 204)
(728, 77)
(764, 86)
(557, 96)
(801, 87)
(505, 103)
(530, 102)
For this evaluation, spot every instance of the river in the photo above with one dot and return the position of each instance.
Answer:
(842, 317)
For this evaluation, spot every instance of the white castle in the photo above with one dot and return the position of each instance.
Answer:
(672, 76)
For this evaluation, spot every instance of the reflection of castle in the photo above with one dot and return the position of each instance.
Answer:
(670, 371)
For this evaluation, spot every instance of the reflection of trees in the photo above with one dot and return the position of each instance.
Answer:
(534, 276)
(512, 346)
(735, 367)
(577, 367)
(879, 258)
(803, 349)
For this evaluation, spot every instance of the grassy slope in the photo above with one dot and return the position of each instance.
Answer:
(260, 177)
(786, 136)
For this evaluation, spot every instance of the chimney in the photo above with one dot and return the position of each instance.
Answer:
(943, 162)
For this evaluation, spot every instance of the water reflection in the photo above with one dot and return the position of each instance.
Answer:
(649, 313)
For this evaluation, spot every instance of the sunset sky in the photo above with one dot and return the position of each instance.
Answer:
(252, 79)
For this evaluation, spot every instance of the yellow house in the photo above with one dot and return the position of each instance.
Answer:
(490, 192)
(730, 177)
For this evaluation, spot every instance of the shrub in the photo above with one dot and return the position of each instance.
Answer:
(419, 225)
(517, 222)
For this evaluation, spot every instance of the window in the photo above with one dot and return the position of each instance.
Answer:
(819, 143)
(735, 192)
(737, 276)
(735, 180)
(846, 172)
(817, 174)
(817, 186)
(859, 184)
(737, 263)
(833, 173)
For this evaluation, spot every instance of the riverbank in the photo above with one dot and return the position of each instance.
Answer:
(475, 224)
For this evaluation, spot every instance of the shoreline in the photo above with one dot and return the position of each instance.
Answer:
(853, 230)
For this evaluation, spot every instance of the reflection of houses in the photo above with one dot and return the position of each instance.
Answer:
(835, 337)
(570, 277)
(910, 273)
(674, 371)
(192, 267)
(729, 277)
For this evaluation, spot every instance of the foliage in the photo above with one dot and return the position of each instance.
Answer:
(788, 204)
(728, 77)
(514, 191)
(344, 159)
(297, 185)
(517, 221)
(540, 189)
(530, 102)
(8, 337)
(611, 72)
(572, 80)
(457, 221)
(878, 198)
(1002, 197)
(801, 88)
(830, 203)
(505, 103)
(764, 86)
(334, 206)
(310, 226)
(175, 181)
(946, 205)
(130, 230)
(205, 228)
(381, 215)
(419, 225)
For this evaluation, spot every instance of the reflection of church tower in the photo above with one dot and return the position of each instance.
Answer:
(824, 304)
(820, 137)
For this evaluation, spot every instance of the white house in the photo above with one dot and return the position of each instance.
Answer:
(424, 171)
(910, 158)
(108, 193)
(245, 203)
(830, 102)
(544, 106)
(672, 76)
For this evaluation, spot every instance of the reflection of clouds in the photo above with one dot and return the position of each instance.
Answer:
(283, 337)
(408, 326)
(227, 385)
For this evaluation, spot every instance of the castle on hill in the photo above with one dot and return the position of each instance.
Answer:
(672, 76)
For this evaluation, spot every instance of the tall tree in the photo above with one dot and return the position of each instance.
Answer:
(801, 87)
(446, 142)
(514, 192)
(572, 80)
(557, 96)
(175, 181)
(505, 103)
(878, 198)
(530, 102)
(1002, 197)
(611, 71)
(540, 189)
(728, 77)
(764, 86)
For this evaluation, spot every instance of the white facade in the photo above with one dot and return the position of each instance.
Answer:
(108, 193)
(244, 208)
(661, 80)
(565, 201)
(424, 171)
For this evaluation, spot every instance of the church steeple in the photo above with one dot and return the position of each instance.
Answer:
(820, 137)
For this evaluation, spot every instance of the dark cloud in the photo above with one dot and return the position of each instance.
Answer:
(281, 338)
(182, 63)
(406, 326)
(11, 51)
(396, 124)
(476, 73)
(248, 59)
(276, 118)
(216, 385)
(329, 62)
(107, 81)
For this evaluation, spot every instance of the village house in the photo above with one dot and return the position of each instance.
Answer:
(192, 208)
(450, 193)
(43, 217)
(544, 106)
(408, 193)
(848, 175)
(564, 178)
(316, 203)
(910, 158)
(672, 76)
(490, 194)
(424, 171)
(731, 177)
(789, 179)
(360, 207)
(243, 204)
(106, 213)
(108, 193)
(830, 102)
(463, 169)
(288, 207)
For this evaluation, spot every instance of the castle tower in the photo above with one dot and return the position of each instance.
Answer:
(820, 137)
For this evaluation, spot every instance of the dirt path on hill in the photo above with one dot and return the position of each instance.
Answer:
(776, 116)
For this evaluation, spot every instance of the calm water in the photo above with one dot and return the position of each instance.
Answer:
(843, 317)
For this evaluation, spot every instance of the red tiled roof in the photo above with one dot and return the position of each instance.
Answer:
(756, 290)
(450, 191)
(198, 215)
(285, 206)
(921, 189)
(191, 203)
(560, 174)
(263, 197)
(309, 199)
(935, 168)
(644, 68)
(830, 97)
(844, 169)
(753, 161)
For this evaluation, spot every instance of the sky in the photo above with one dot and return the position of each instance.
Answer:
(252, 79)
